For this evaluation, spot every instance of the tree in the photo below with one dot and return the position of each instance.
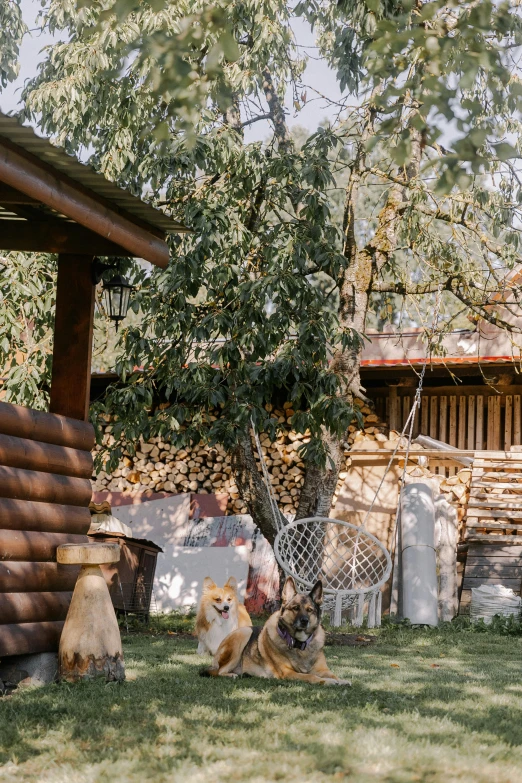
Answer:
(269, 297)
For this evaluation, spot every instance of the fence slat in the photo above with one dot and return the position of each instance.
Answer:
(425, 414)
(453, 421)
(517, 429)
(508, 423)
(496, 426)
(462, 422)
(491, 423)
(471, 421)
(443, 419)
(479, 430)
(434, 419)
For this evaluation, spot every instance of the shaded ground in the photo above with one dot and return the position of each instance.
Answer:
(425, 706)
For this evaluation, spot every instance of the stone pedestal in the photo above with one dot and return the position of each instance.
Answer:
(90, 645)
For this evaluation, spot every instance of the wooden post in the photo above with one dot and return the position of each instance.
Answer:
(71, 375)
(508, 424)
(479, 432)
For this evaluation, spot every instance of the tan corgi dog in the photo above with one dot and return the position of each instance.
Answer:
(219, 613)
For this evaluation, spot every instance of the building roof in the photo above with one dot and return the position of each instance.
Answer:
(486, 344)
(72, 207)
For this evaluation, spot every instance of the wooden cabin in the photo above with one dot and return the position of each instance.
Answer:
(49, 202)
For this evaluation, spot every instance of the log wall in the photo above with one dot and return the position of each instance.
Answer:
(45, 489)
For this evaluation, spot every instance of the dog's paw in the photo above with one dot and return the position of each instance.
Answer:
(346, 683)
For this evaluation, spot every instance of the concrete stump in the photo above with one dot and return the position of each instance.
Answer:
(90, 645)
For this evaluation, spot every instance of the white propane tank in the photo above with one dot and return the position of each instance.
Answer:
(419, 561)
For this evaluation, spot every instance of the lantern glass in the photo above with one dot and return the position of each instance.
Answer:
(117, 297)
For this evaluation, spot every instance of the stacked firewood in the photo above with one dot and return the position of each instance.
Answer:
(160, 467)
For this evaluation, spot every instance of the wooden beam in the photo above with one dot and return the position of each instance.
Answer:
(61, 193)
(73, 325)
(54, 236)
(10, 195)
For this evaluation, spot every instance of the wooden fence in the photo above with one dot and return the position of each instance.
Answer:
(477, 418)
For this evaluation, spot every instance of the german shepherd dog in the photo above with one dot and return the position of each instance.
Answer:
(288, 647)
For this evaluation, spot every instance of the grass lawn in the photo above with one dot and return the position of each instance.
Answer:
(425, 706)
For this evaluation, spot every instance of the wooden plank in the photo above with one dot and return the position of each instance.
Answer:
(517, 424)
(494, 560)
(33, 455)
(493, 513)
(453, 421)
(469, 583)
(73, 328)
(425, 415)
(33, 607)
(491, 423)
(508, 423)
(471, 421)
(443, 420)
(493, 524)
(494, 539)
(36, 547)
(509, 571)
(416, 422)
(484, 550)
(24, 638)
(43, 517)
(434, 418)
(44, 487)
(461, 443)
(489, 501)
(21, 422)
(479, 429)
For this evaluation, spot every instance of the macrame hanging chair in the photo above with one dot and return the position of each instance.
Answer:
(352, 564)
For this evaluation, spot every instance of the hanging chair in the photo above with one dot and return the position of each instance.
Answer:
(352, 564)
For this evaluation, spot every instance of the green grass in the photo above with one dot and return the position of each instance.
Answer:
(432, 706)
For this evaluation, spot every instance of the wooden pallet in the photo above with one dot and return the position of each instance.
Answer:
(494, 511)
(491, 563)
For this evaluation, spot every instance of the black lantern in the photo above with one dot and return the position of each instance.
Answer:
(116, 293)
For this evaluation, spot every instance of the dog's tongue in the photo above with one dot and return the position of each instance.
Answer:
(224, 615)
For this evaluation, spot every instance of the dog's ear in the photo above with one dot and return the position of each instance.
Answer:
(208, 584)
(316, 593)
(289, 590)
(232, 583)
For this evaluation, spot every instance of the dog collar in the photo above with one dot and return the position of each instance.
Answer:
(293, 643)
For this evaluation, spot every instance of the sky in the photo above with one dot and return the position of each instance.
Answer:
(317, 77)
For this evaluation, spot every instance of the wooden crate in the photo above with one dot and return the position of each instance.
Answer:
(491, 564)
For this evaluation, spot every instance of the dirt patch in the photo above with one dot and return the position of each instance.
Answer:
(348, 639)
